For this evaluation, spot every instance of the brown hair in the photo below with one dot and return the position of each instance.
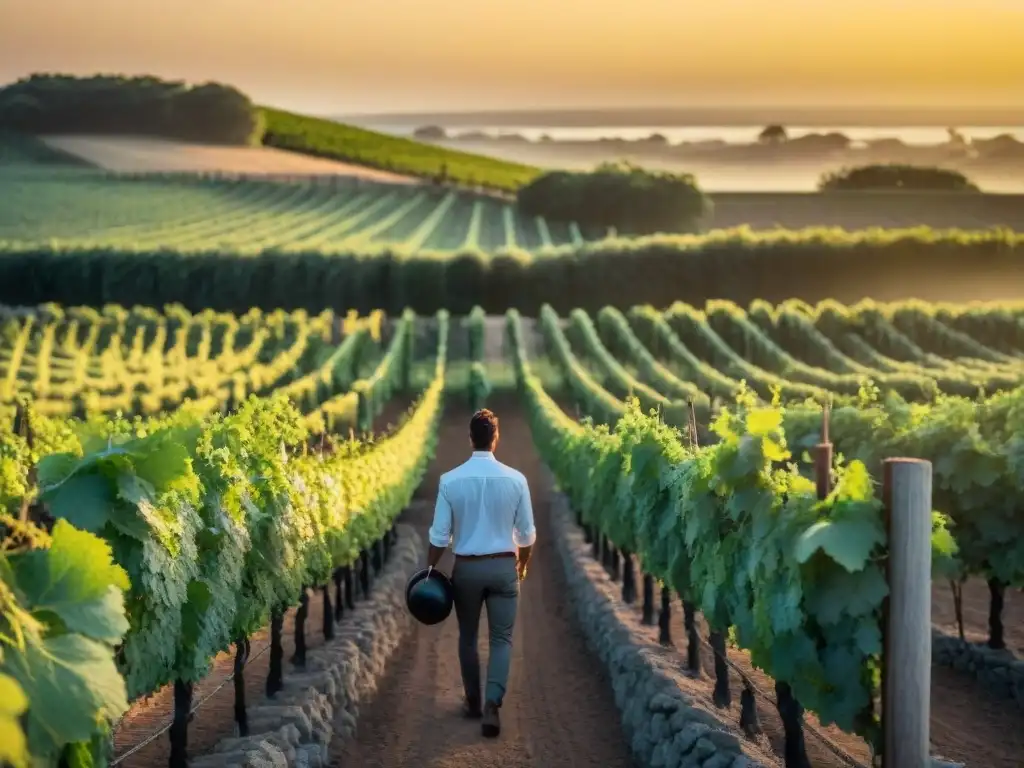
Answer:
(483, 428)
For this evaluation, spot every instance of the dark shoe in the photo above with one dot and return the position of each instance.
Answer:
(491, 725)
(471, 709)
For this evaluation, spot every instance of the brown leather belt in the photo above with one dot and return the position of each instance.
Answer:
(485, 557)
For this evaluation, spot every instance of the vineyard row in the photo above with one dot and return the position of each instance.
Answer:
(152, 546)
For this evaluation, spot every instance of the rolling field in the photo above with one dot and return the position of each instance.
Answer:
(129, 154)
(84, 208)
(187, 376)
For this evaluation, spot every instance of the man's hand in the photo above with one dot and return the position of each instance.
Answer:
(522, 560)
(521, 569)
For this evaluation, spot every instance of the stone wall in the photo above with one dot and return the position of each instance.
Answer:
(299, 725)
(668, 725)
(1000, 672)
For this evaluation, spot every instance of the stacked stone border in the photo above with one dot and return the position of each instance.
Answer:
(666, 726)
(299, 725)
(999, 671)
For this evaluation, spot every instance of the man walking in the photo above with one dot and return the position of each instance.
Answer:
(484, 511)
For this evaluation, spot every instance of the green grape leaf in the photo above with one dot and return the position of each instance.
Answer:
(71, 682)
(12, 739)
(762, 421)
(945, 563)
(163, 463)
(868, 638)
(55, 467)
(80, 755)
(84, 500)
(77, 580)
(849, 541)
(854, 594)
(197, 603)
(842, 664)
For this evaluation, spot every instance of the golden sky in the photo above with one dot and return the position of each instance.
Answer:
(345, 56)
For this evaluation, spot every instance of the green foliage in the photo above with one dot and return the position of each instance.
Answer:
(623, 343)
(736, 264)
(142, 362)
(628, 198)
(140, 494)
(326, 138)
(474, 323)
(735, 528)
(973, 443)
(974, 447)
(390, 375)
(897, 177)
(211, 112)
(214, 521)
(62, 613)
(479, 387)
(337, 214)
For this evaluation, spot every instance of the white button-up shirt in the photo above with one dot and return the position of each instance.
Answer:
(483, 507)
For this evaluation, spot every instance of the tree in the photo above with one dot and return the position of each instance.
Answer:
(773, 134)
(896, 177)
(430, 133)
(628, 198)
(211, 112)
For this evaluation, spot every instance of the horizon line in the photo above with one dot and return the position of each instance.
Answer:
(1008, 107)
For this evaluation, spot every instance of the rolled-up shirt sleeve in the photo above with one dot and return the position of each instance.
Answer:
(524, 532)
(441, 529)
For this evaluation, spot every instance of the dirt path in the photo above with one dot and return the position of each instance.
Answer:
(559, 710)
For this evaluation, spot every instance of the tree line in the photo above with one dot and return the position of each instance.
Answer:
(149, 106)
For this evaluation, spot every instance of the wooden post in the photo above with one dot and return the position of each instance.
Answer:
(907, 618)
(275, 675)
(648, 606)
(823, 460)
(664, 617)
(327, 619)
(241, 658)
(299, 657)
(628, 577)
(339, 597)
(179, 726)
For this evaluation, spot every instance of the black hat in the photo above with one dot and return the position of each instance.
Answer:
(429, 596)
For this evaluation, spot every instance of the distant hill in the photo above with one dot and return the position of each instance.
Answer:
(156, 110)
(326, 138)
(812, 117)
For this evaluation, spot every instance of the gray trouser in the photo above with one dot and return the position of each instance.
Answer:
(494, 581)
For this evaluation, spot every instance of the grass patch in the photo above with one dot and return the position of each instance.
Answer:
(325, 138)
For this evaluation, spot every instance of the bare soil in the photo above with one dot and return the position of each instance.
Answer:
(975, 609)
